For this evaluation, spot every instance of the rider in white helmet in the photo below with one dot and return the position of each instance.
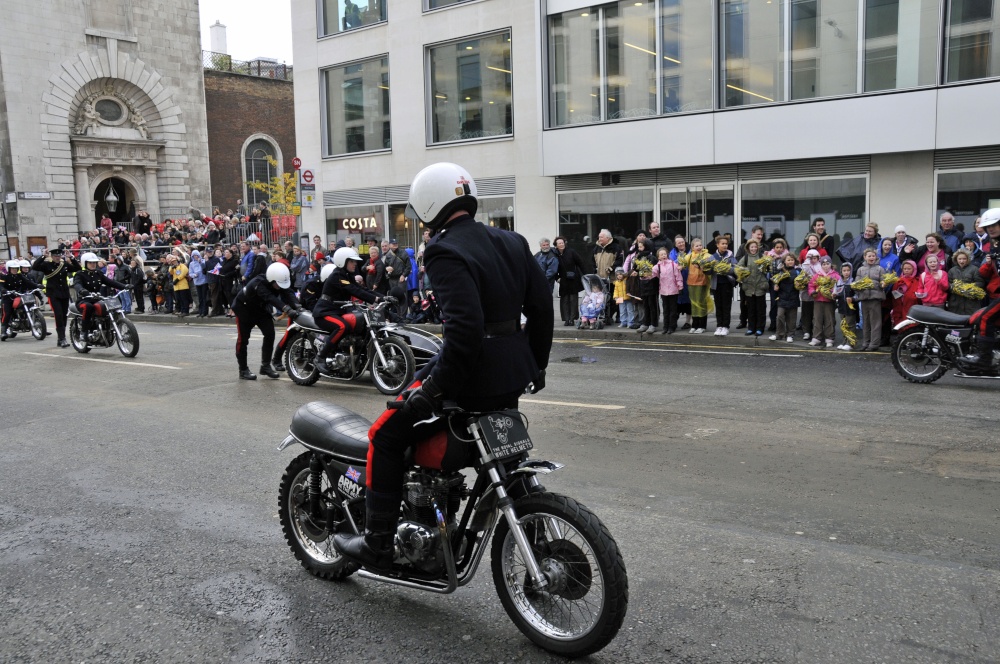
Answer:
(10, 284)
(484, 278)
(308, 297)
(987, 321)
(88, 284)
(253, 306)
(338, 289)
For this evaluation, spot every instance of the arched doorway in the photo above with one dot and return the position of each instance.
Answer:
(126, 196)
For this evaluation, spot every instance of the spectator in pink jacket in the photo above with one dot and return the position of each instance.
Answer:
(671, 283)
(933, 283)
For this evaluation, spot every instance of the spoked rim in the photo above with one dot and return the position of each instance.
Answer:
(300, 358)
(316, 542)
(915, 359)
(393, 373)
(125, 341)
(37, 325)
(571, 607)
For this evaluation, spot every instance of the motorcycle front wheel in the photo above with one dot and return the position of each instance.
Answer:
(128, 342)
(582, 608)
(38, 329)
(299, 361)
(396, 373)
(311, 542)
(916, 361)
(76, 337)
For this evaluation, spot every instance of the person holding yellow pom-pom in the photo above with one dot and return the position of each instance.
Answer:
(963, 272)
(870, 299)
(755, 287)
(698, 287)
(821, 288)
(723, 285)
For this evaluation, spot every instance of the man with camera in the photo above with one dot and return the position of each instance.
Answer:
(987, 320)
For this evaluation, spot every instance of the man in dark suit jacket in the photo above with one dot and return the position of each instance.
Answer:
(484, 278)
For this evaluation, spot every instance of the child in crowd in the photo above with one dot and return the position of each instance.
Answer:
(777, 253)
(592, 307)
(847, 307)
(870, 300)
(723, 285)
(668, 274)
(626, 308)
(971, 244)
(787, 298)
(933, 283)
(810, 265)
(821, 288)
(755, 287)
(415, 313)
(679, 254)
(963, 271)
(698, 287)
(904, 292)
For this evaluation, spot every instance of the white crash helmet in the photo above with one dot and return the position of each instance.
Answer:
(25, 264)
(325, 273)
(89, 257)
(279, 274)
(342, 255)
(13, 264)
(989, 217)
(438, 191)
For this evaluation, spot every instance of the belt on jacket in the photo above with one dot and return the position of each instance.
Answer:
(501, 329)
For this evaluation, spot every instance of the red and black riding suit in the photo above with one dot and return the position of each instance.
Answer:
(252, 307)
(87, 284)
(338, 289)
(987, 321)
(308, 297)
(10, 285)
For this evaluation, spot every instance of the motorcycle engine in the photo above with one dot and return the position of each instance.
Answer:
(418, 534)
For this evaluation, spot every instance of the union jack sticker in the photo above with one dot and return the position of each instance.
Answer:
(352, 474)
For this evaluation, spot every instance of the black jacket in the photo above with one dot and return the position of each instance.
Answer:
(309, 295)
(340, 287)
(570, 272)
(15, 283)
(91, 281)
(56, 282)
(375, 277)
(483, 279)
(258, 296)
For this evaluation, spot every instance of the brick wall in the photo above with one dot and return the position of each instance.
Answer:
(238, 107)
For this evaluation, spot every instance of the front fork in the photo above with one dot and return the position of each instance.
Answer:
(506, 506)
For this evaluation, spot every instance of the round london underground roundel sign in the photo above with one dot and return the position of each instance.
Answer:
(307, 176)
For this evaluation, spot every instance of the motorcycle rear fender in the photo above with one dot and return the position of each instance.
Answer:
(906, 324)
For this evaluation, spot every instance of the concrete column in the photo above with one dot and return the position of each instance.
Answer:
(152, 193)
(84, 212)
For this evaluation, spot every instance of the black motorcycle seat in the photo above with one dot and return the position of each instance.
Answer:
(331, 428)
(305, 319)
(936, 316)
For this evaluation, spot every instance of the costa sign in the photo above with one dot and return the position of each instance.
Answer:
(358, 224)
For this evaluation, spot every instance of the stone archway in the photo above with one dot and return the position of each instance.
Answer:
(126, 191)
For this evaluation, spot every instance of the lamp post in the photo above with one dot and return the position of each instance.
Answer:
(111, 199)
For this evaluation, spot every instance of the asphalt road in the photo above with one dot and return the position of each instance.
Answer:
(788, 506)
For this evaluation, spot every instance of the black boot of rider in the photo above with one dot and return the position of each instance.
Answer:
(277, 363)
(246, 374)
(374, 549)
(266, 370)
(981, 360)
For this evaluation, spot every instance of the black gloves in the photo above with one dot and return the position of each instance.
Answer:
(291, 313)
(423, 401)
(538, 384)
(389, 299)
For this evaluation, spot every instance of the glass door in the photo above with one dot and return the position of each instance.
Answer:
(697, 211)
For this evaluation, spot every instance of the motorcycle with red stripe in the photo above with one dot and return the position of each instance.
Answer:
(557, 570)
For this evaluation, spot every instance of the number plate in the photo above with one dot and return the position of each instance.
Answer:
(504, 434)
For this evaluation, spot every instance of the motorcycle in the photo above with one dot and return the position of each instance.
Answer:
(392, 353)
(110, 329)
(557, 570)
(28, 315)
(931, 341)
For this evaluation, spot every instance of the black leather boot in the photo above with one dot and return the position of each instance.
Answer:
(266, 370)
(981, 359)
(375, 548)
(277, 363)
(246, 374)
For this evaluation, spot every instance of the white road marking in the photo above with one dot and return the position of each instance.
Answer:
(574, 405)
(703, 352)
(94, 359)
(191, 335)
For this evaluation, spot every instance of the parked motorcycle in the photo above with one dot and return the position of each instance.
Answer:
(557, 570)
(113, 328)
(931, 340)
(28, 316)
(392, 353)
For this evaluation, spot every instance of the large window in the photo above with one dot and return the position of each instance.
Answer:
(497, 211)
(341, 15)
(967, 195)
(752, 52)
(260, 163)
(899, 44)
(630, 57)
(575, 67)
(356, 99)
(470, 89)
(686, 61)
(583, 214)
(972, 28)
(363, 223)
(437, 4)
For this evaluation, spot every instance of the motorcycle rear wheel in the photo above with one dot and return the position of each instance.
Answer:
(38, 329)
(916, 362)
(311, 543)
(75, 338)
(583, 608)
(299, 361)
(392, 377)
(128, 343)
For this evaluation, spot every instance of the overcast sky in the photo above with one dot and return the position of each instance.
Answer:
(254, 28)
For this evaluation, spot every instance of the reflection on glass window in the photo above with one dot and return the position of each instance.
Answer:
(630, 57)
(899, 44)
(357, 107)
(967, 195)
(342, 15)
(471, 89)
(686, 56)
(435, 4)
(752, 52)
(362, 223)
(970, 34)
(575, 67)
(583, 214)
(497, 212)
(261, 165)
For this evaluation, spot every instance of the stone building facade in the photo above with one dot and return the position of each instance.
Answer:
(99, 96)
(245, 113)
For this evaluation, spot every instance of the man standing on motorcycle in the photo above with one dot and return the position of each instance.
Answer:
(987, 320)
(57, 269)
(15, 281)
(252, 307)
(338, 289)
(87, 284)
(484, 278)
